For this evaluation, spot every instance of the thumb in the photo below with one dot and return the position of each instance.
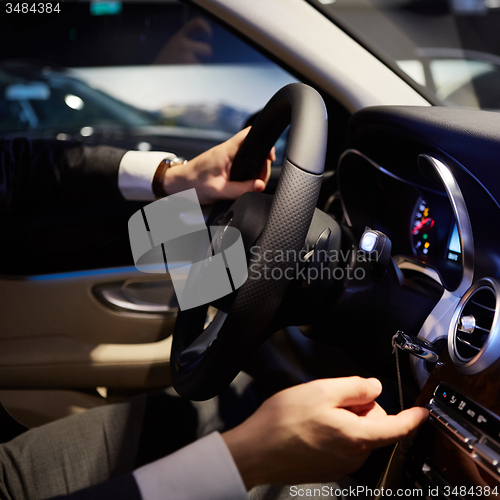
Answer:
(392, 428)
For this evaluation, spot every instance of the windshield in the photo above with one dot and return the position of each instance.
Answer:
(449, 47)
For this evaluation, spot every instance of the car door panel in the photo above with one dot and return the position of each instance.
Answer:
(69, 337)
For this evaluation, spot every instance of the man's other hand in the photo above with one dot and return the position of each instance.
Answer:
(316, 432)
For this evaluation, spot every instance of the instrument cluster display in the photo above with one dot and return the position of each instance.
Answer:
(424, 234)
(454, 247)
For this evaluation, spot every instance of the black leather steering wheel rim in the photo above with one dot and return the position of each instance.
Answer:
(246, 326)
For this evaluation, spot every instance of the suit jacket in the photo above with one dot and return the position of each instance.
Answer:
(122, 488)
(40, 171)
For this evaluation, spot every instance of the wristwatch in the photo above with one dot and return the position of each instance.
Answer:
(158, 189)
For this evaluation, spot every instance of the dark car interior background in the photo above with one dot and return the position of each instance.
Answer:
(80, 326)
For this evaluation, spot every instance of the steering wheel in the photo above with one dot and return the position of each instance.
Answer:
(205, 360)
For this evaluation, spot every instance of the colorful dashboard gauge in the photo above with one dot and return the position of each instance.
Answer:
(423, 229)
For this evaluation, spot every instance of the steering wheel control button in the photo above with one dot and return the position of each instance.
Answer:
(170, 235)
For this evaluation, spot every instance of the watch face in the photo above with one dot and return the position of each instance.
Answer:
(178, 160)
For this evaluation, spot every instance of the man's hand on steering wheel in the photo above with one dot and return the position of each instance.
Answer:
(209, 173)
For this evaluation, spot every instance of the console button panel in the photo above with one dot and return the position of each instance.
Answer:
(471, 426)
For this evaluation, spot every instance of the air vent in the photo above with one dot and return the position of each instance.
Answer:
(474, 337)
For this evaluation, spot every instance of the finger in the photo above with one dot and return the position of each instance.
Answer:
(233, 144)
(361, 410)
(376, 412)
(370, 410)
(265, 173)
(233, 189)
(272, 154)
(259, 185)
(392, 428)
(353, 391)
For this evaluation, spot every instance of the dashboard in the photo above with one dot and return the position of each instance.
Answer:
(418, 218)
(430, 181)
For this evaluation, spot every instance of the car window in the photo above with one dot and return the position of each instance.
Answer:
(99, 68)
(449, 47)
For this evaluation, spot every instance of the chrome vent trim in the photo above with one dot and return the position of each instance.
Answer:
(474, 335)
(461, 218)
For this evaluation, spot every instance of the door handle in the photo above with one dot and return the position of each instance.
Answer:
(149, 297)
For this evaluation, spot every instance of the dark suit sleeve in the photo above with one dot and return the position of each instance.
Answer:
(40, 171)
(121, 488)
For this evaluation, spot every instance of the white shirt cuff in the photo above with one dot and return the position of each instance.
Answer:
(136, 172)
(204, 470)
